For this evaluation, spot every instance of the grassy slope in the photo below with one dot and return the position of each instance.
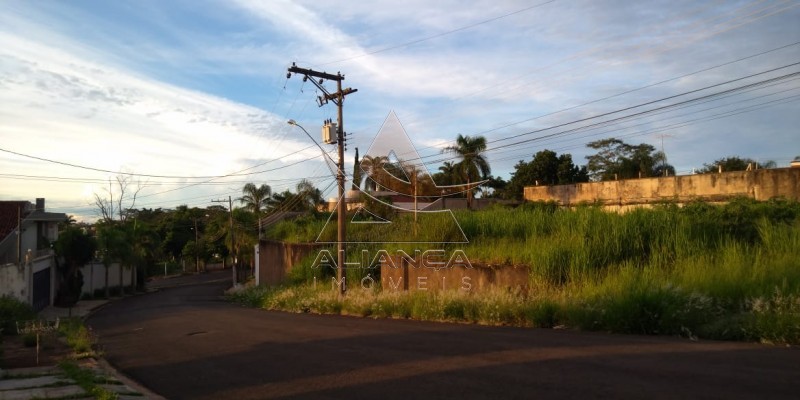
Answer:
(726, 272)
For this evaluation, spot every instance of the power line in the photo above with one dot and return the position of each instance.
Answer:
(438, 35)
(508, 125)
(681, 124)
(680, 107)
(665, 47)
(606, 122)
(160, 176)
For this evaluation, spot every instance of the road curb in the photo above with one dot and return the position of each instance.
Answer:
(147, 393)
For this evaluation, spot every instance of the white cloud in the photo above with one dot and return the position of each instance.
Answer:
(60, 106)
(162, 88)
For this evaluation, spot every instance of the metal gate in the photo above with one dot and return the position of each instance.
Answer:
(41, 289)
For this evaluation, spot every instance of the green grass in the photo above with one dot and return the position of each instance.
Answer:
(721, 272)
(78, 337)
(88, 380)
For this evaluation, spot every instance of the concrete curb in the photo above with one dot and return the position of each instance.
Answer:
(147, 393)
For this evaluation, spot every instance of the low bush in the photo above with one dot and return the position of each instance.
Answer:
(78, 337)
(11, 311)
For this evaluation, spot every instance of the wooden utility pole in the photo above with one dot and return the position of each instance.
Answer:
(338, 99)
(233, 240)
(196, 249)
(19, 235)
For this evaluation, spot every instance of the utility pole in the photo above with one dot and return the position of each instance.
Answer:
(196, 249)
(338, 99)
(414, 181)
(19, 235)
(233, 240)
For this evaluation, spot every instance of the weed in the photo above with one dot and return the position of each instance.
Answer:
(87, 380)
(77, 335)
(713, 271)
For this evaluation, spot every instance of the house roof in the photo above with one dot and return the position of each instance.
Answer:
(10, 212)
(9, 215)
(46, 216)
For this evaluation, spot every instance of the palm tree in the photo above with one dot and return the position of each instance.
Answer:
(473, 165)
(447, 174)
(255, 200)
(310, 196)
(374, 167)
(67, 223)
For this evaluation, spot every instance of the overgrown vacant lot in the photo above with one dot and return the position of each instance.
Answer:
(721, 272)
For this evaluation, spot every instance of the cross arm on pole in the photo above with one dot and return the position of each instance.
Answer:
(310, 72)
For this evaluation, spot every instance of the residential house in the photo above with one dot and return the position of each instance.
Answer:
(27, 261)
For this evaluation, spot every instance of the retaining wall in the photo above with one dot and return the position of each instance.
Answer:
(275, 259)
(402, 276)
(763, 184)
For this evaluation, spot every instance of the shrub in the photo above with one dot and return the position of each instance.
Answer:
(11, 311)
(78, 337)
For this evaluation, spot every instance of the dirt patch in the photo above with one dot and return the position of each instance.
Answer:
(16, 354)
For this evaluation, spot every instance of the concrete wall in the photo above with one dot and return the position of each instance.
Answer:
(17, 281)
(94, 277)
(275, 259)
(761, 184)
(400, 276)
(13, 281)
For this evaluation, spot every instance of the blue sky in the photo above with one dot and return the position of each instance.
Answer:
(186, 90)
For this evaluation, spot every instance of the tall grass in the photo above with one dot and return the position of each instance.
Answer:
(725, 272)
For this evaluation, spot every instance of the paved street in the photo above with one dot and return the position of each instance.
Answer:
(186, 342)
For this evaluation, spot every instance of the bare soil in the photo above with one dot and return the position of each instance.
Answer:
(15, 354)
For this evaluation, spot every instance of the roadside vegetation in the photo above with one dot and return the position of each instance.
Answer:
(74, 334)
(700, 271)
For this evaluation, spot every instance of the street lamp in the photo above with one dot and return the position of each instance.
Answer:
(324, 153)
(341, 206)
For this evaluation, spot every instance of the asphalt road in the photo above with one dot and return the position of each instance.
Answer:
(186, 342)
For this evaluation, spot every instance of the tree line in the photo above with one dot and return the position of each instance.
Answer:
(143, 239)
(139, 239)
(613, 159)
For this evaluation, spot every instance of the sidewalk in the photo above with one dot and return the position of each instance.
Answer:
(51, 382)
(81, 309)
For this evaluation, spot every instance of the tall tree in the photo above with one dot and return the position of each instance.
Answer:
(616, 159)
(310, 196)
(113, 245)
(568, 172)
(497, 187)
(473, 165)
(144, 250)
(735, 163)
(374, 168)
(357, 173)
(447, 175)
(546, 168)
(256, 199)
(77, 248)
(119, 198)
